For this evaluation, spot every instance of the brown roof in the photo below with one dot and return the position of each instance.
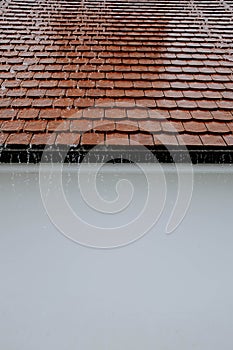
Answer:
(124, 71)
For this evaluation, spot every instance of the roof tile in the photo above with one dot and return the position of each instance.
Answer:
(212, 140)
(19, 139)
(117, 139)
(92, 138)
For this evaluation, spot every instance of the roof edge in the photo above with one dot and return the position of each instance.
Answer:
(18, 154)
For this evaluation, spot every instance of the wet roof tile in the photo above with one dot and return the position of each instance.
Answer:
(119, 70)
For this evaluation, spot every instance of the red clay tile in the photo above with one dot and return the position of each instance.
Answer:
(50, 113)
(150, 126)
(158, 114)
(96, 75)
(60, 75)
(103, 126)
(217, 128)
(228, 95)
(58, 125)
(150, 76)
(225, 104)
(5, 102)
(115, 113)
(209, 105)
(81, 125)
(141, 139)
(35, 126)
(193, 94)
(29, 84)
(137, 113)
(115, 93)
(12, 84)
(197, 86)
(116, 138)
(63, 83)
(36, 93)
(186, 104)
(195, 127)
(91, 138)
(165, 140)
(95, 92)
(63, 102)
(189, 140)
(146, 102)
(83, 102)
(179, 85)
(172, 126)
(212, 140)
(22, 102)
(28, 113)
(127, 126)
(154, 93)
(8, 113)
(55, 92)
(180, 114)
(67, 138)
(161, 85)
(123, 84)
(47, 84)
(42, 76)
(133, 93)
(228, 139)
(167, 104)
(43, 139)
(142, 84)
(210, 94)
(173, 94)
(16, 93)
(42, 102)
(94, 113)
(202, 115)
(222, 115)
(131, 76)
(75, 92)
(19, 139)
(13, 125)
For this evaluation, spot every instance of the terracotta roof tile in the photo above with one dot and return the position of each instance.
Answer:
(140, 138)
(81, 125)
(49, 113)
(7, 113)
(195, 127)
(67, 138)
(212, 140)
(35, 126)
(228, 139)
(117, 139)
(91, 138)
(19, 139)
(13, 125)
(104, 126)
(189, 140)
(149, 126)
(58, 125)
(43, 138)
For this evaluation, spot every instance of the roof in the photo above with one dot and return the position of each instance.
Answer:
(84, 72)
